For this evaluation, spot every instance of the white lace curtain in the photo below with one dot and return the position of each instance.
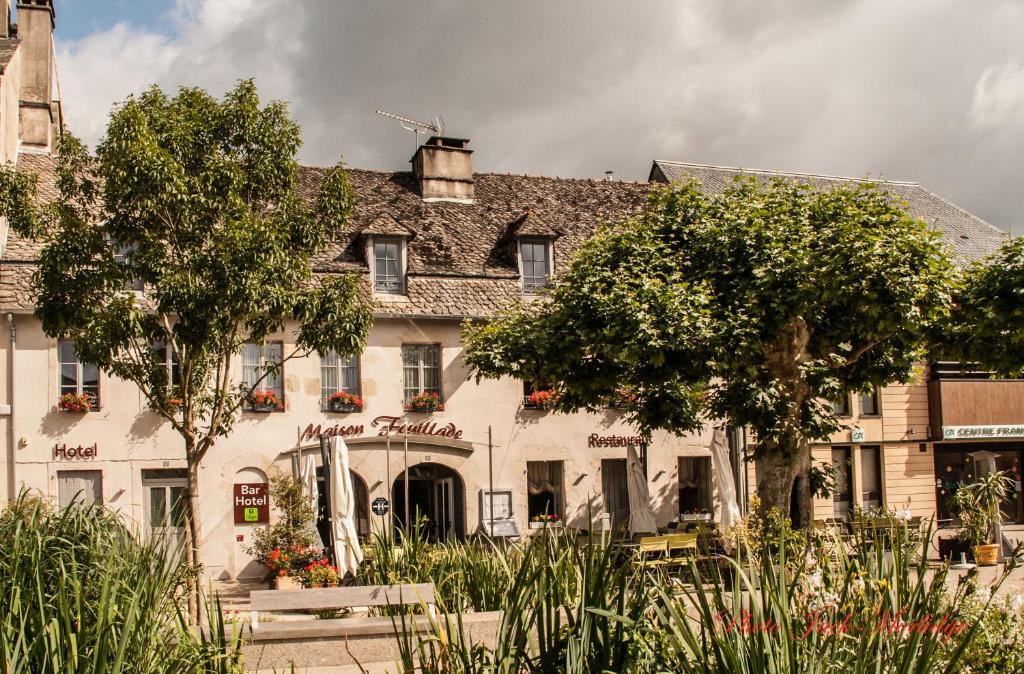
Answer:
(544, 477)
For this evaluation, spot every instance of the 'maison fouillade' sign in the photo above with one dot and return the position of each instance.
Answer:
(387, 425)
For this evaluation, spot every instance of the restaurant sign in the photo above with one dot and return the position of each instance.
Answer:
(982, 432)
(595, 440)
(252, 503)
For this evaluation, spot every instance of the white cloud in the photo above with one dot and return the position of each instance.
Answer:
(908, 90)
(998, 96)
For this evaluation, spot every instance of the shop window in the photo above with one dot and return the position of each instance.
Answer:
(387, 267)
(841, 405)
(338, 374)
(867, 404)
(842, 497)
(77, 378)
(421, 364)
(955, 468)
(544, 490)
(261, 368)
(535, 261)
(694, 485)
(871, 477)
(83, 487)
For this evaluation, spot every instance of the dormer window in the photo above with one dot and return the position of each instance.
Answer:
(387, 267)
(535, 264)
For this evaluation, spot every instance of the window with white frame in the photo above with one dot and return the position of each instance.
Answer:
(263, 359)
(77, 378)
(163, 354)
(338, 374)
(123, 253)
(535, 262)
(544, 501)
(387, 266)
(421, 364)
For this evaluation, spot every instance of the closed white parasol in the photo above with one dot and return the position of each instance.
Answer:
(641, 518)
(347, 552)
(729, 512)
(310, 489)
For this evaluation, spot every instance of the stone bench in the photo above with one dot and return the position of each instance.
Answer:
(332, 598)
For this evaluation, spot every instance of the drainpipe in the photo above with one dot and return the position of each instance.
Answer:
(11, 435)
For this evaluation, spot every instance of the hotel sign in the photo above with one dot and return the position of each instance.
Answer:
(982, 432)
(63, 452)
(252, 503)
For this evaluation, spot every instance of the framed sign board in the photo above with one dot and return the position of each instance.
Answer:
(502, 528)
(251, 503)
(500, 500)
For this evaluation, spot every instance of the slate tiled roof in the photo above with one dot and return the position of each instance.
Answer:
(462, 257)
(969, 237)
(462, 260)
(8, 47)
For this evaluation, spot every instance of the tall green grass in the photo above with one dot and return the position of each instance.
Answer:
(79, 593)
(787, 605)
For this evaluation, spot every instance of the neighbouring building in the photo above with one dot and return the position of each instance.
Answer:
(909, 446)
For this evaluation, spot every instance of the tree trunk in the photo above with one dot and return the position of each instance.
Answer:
(192, 538)
(783, 479)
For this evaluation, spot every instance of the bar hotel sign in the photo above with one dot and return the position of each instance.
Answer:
(982, 432)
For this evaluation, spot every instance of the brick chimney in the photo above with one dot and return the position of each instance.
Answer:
(39, 111)
(444, 170)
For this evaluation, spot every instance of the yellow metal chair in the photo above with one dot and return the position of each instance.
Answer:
(681, 547)
(652, 551)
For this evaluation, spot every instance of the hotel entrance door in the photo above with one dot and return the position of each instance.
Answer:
(436, 502)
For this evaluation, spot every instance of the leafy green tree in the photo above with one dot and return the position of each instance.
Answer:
(987, 325)
(756, 306)
(194, 200)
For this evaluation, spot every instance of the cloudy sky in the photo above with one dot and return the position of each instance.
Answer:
(925, 90)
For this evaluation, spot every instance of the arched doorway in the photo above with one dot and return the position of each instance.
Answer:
(437, 500)
(362, 518)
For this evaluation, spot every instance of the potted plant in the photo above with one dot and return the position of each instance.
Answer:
(344, 402)
(321, 573)
(540, 400)
(78, 403)
(288, 544)
(981, 518)
(424, 403)
(265, 401)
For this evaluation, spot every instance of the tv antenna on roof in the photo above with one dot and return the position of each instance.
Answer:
(437, 128)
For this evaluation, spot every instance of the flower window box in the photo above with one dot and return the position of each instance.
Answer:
(545, 524)
(539, 400)
(695, 517)
(78, 403)
(265, 401)
(344, 403)
(424, 403)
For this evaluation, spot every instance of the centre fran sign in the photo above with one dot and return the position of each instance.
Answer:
(982, 432)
